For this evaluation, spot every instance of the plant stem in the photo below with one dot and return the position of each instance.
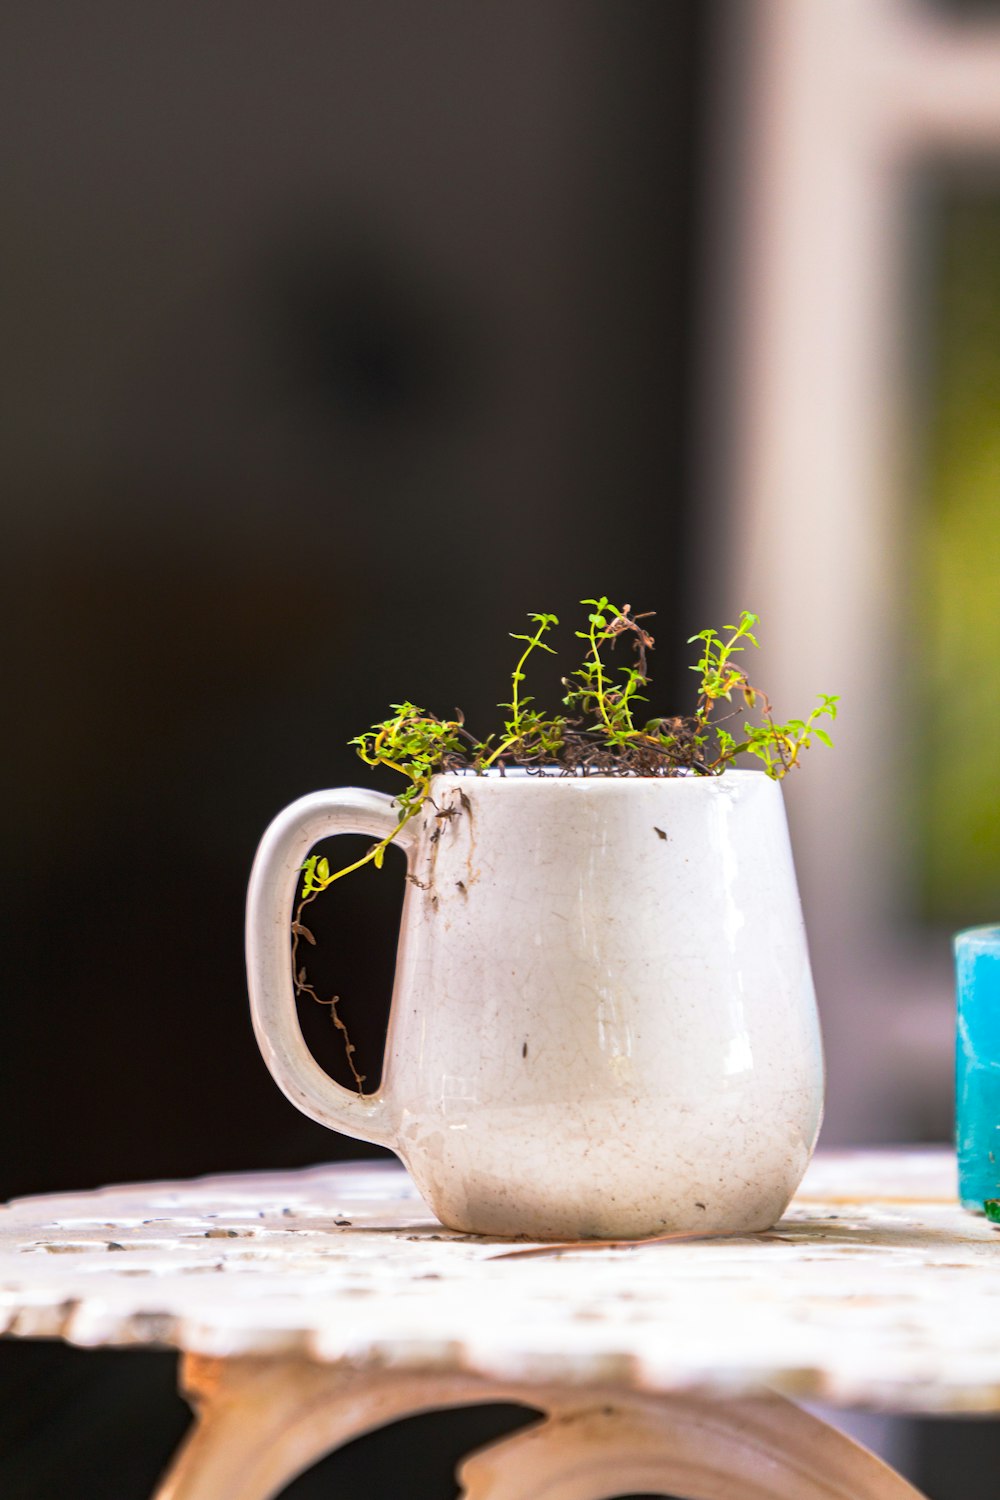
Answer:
(602, 706)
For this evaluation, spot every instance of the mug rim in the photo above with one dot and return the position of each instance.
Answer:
(524, 774)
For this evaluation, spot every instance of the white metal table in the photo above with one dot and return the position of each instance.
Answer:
(313, 1306)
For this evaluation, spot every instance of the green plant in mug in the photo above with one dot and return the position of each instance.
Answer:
(601, 732)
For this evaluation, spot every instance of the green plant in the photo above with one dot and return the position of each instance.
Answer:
(601, 733)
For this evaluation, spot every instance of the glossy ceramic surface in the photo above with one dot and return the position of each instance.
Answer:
(603, 1022)
(977, 1072)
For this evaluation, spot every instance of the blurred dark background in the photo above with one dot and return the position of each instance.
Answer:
(335, 338)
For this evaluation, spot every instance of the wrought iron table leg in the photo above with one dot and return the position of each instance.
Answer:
(261, 1422)
(753, 1449)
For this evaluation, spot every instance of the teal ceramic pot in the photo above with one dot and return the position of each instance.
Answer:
(977, 1074)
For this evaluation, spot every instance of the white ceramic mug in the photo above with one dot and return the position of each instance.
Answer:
(603, 1023)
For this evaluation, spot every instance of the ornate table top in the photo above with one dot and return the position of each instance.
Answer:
(875, 1289)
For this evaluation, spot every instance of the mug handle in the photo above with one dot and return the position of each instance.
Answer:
(274, 881)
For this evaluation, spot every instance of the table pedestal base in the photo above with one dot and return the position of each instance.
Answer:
(261, 1422)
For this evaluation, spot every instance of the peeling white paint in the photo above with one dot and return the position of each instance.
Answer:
(874, 1290)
